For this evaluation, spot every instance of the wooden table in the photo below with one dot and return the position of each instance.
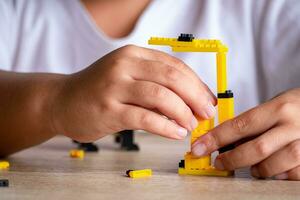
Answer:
(47, 172)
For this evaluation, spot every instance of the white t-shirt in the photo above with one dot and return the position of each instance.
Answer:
(263, 39)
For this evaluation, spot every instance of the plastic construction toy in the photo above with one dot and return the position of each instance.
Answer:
(143, 173)
(186, 43)
(75, 153)
(4, 165)
(4, 183)
(87, 147)
(126, 140)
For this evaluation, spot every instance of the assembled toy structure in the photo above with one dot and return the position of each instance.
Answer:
(186, 43)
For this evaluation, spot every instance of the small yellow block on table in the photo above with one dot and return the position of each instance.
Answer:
(4, 165)
(75, 153)
(143, 173)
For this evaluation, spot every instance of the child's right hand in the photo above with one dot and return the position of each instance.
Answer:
(131, 88)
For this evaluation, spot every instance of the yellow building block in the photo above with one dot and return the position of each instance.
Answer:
(143, 173)
(196, 163)
(221, 72)
(225, 109)
(4, 165)
(76, 153)
(210, 171)
(203, 127)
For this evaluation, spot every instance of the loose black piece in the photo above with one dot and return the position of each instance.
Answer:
(126, 139)
(127, 172)
(4, 183)
(88, 147)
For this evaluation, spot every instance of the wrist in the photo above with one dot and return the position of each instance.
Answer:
(50, 98)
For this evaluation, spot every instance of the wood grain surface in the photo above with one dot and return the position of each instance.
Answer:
(47, 172)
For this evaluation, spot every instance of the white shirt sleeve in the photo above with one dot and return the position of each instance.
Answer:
(278, 46)
(7, 33)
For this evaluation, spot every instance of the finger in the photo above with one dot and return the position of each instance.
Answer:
(258, 149)
(137, 118)
(293, 174)
(194, 95)
(251, 123)
(156, 97)
(162, 57)
(281, 161)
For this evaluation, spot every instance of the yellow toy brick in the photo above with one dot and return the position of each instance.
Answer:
(203, 127)
(187, 43)
(196, 163)
(225, 107)
(4, 165)
(210, 171)
(143, 173)
(76, 153)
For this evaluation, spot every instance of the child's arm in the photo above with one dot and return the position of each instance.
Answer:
(130, 88)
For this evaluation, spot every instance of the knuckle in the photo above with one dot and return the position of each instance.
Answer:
(262, 148)
(286, 109)
(118, 66)
(165, 127)
(129, 49)
(213, 141)
(186, 114)
(294, 150)
(146, 120)
(158, 92)
(179, 63)
(107, 106)
(171, 74)
(239, 124)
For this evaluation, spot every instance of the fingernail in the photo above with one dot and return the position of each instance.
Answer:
(199, 149)
(254, 172)
(182, 132)
(194, 123)
(219, 165)
(210, 111)
(282, 176)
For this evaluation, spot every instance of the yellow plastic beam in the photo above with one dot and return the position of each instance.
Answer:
(143, 173)
(197, 45)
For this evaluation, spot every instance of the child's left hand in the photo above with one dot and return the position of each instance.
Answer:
(272, 134)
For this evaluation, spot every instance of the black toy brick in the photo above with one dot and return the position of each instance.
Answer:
(4, 182)
(185, 37)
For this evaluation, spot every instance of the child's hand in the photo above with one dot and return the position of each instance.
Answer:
(274, 147)
(132, 88)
